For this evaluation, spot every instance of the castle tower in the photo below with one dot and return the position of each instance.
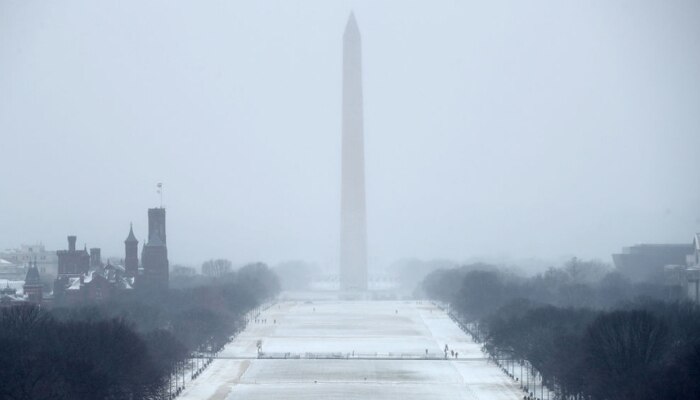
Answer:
(95, 258)
(131, 250)
(353, 231)
(154, 256)
(156, 225)
(33, 288)
(73, 262)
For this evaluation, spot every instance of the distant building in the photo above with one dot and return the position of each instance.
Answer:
(9, 297)
(646, 262)
(84, 277)
(46, 260)
(683, 280)
(154, 256)
(11, 271)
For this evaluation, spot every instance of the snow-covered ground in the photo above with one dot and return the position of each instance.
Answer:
(384, 328)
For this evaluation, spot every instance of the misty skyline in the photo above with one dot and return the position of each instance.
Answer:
(521, 130)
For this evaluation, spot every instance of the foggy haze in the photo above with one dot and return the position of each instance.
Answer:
(491, 130)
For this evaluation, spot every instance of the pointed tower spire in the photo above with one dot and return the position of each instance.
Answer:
(33, 288)
(32, 277)
(131, 250)
(131, 238)
(351, 28)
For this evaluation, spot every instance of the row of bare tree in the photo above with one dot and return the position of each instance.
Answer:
(645, 350)
(601, 338)
(125, 348)
(44, 358)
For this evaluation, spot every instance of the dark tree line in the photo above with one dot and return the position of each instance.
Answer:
(44, 358)
(601, 338)
(478, 290)
(127, 347)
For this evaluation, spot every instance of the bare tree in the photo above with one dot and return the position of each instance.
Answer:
(624, 349)
(216, 268)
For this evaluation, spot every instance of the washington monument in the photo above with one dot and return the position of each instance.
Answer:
(353, 224)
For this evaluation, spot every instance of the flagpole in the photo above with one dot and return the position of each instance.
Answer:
(160, 193)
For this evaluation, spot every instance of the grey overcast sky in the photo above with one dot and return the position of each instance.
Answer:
(520, 129)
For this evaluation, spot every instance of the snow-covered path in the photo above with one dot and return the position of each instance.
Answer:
(362, 327)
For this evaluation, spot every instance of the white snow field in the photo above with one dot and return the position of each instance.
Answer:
(383, 329)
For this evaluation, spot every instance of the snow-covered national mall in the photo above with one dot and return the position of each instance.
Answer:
(331, 349)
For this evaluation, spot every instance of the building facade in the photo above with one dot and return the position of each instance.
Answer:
(646, 262)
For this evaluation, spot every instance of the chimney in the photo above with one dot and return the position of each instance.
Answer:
(71, 243)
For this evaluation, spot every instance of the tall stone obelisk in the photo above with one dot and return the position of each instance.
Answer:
(353, 230)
